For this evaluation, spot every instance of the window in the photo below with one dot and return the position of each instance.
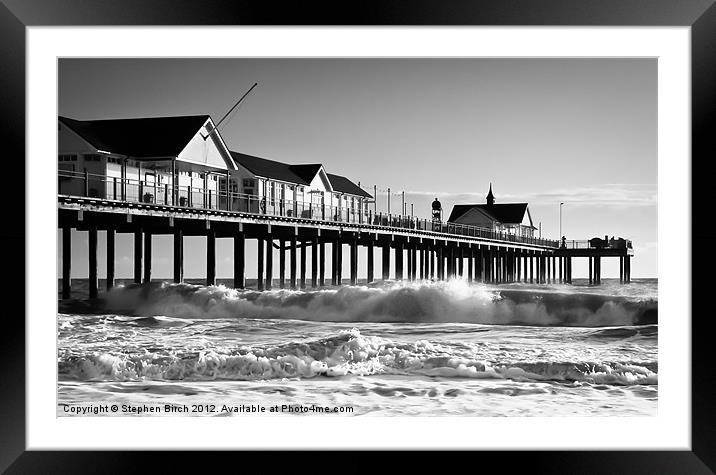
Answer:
(67, 158)
(92, 157)
(248, 183)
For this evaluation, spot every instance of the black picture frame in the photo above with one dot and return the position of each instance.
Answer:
(700, 15)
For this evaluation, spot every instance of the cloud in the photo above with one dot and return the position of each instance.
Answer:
(598, 195)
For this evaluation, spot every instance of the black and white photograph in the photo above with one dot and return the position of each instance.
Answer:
(357, 237)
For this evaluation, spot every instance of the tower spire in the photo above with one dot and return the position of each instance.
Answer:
(490, 197)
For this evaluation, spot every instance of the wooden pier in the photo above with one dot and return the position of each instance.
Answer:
(417, 251)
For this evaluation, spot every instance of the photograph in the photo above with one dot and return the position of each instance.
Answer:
(357, 236)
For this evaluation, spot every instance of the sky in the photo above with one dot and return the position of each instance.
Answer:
(541, 130)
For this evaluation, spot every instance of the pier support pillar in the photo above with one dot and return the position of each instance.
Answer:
(147, 257)
(260, 263)
(591, 272)
(431, 262)
(621, 269)
(414, 252)
(460, 262)
(354, 260)
(339, 262)
(210, 257)
(281, 263)
(369, 258)
(439, 262)
(560, 261)
(66, 262)
(292, 262)
(598, 267)
(179, 256)
(386, 261)
(532, 273)
(239, 260)
(314, 262)
(470, 259)
(398, 261)
(269, 261)
(322, 263)
(302, 257)
(411, 264)
(627, 263)
(110, 258)
(138, 256)
(334, 262)
(93, 288)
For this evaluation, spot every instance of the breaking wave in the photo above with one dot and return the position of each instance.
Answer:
(452, 301)
(348, 352)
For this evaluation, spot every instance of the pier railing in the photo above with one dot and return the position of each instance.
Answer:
(596, 243)
(84, 184)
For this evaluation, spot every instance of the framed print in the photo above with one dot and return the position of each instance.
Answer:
(419, 229)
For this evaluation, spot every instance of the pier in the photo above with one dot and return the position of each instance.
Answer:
(418, 248)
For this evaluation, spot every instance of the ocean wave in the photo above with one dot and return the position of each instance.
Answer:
(347, 353)
(451, 301)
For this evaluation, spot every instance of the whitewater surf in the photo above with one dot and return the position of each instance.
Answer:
(395, 348)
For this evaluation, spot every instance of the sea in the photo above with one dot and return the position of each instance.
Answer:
(395, 348)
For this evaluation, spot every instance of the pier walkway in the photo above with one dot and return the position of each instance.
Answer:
(429, 249)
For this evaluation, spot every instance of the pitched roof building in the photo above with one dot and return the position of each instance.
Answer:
(184, 161)
(511, 218)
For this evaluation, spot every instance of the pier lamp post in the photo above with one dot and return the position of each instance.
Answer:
(560, 220)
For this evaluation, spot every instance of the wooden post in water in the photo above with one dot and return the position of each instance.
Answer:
(239, 260)
(561, 266)
(110, 258)
(66, 262)
(281, 263)
(354, 260)
(302, 275)
(334, 262)
(591, 272)
(314, 262)
(470, 259)
(210, 257)
(410, 260)
(460, 261)
(439, 262)
(370, 257)
(531, 269)
(386, 261)
(339, 261)
(322, 263)
(178, 256)
(138, 256)
(292, 261)
(93, 287)
(147, 257)
(269, 260)
(260, 263)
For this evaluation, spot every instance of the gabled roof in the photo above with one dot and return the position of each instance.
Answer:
(506, 213)
(299, 174)
(342, 184)
(152, 137)
(307, 172)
